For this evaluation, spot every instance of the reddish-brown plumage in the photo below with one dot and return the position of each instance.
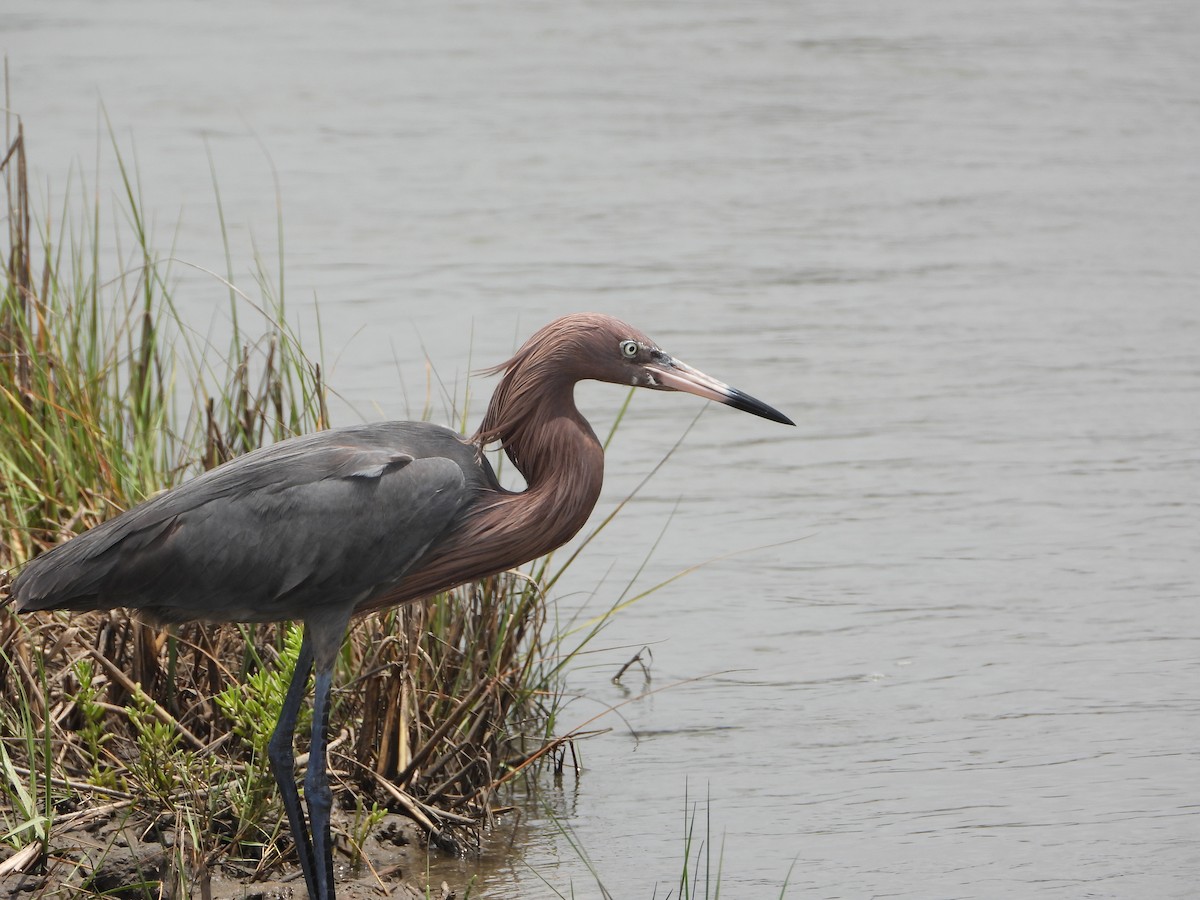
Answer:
(533, 416)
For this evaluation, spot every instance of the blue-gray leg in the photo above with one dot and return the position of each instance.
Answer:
(280, 753)
(323, 633)
(317, 793)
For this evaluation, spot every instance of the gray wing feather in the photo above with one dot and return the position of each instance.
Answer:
(327, 519)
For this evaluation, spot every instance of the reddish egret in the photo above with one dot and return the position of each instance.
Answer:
(331, 525)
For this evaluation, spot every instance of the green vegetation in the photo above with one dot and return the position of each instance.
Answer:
(109, 727)
(102, 717)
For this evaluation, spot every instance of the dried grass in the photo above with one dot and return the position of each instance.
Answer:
(440, 702)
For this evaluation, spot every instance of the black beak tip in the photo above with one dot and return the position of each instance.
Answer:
(776, 416)
(746, 403)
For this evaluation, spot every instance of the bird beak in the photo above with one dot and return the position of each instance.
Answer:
(675, 375)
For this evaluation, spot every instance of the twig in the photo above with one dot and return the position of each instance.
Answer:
(136, 690)
(440, 732)
(636, 658)
(75, 785)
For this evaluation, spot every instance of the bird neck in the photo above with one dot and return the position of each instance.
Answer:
(557, 452)
(534, 418)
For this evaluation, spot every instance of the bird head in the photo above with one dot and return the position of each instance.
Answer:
(598, 347)
(632, 358)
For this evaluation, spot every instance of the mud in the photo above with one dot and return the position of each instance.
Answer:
(126, 861)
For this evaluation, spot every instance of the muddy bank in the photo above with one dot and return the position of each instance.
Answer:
(127, 860)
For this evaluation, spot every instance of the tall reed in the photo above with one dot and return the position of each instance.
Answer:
(443, 701)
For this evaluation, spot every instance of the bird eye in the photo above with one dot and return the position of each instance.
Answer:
(629, 349)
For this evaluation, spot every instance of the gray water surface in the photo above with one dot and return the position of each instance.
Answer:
(959, 243)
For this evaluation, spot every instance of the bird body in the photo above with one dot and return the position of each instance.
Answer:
(330, 525)
(342, 515)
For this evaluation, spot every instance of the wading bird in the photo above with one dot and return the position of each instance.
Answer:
(339, 523)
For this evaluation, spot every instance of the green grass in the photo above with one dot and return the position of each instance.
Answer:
(107, 396)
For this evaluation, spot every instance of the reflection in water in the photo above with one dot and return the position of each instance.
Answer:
(526, 837)
(958, 247)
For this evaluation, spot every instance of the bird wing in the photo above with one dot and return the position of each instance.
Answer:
(330, 518)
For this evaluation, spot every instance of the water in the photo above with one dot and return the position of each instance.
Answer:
(958, 243)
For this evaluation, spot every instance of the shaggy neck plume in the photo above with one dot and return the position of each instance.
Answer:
(534, 418)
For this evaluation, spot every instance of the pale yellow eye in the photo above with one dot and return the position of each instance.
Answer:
(629, 349)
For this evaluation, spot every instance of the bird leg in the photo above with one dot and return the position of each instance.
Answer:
(323, 630)
(317, 793)
(280, 752)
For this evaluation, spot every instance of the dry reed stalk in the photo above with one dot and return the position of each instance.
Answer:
(438, 686)
(461, 751)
